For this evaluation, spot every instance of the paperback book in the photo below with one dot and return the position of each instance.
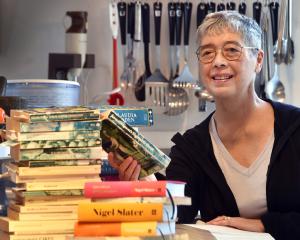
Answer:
(55, 114)
(71, 135)
(145, 228)
(55, 153)
(18, 126)
(120, 138)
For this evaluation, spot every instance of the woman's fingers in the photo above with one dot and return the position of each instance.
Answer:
(129, 169)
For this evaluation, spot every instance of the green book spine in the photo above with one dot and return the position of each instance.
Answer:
(60, 143)
(57, 153)
(71, 135)
(59, 126)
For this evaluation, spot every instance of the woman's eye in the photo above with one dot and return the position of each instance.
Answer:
(207, 52)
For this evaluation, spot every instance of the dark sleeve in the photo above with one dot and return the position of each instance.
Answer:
(282, 226)
(180, 169)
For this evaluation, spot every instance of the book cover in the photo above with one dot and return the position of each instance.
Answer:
(125, 212)
(55, 153)
(120, 138)
(134, 116)
(7, 236)
(68, 143)
(33, 227)
(41, 216)
(55, 171)
(147, 228)
(111, 189)
(71, 135)
(18, 126)
(55, 114)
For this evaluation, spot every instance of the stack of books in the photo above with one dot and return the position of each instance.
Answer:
(130, 209)
(54, 151)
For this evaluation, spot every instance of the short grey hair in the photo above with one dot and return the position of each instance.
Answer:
(216, 23)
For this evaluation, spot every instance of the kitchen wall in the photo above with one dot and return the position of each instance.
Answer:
(30, 29)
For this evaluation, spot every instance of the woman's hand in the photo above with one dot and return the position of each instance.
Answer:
(129, 169)
(253, 225)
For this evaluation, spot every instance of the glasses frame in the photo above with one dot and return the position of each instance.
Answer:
(222, 48)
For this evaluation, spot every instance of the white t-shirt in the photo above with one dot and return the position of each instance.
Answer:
(248, 185)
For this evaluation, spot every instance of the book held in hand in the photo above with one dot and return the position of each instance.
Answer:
(119, 137)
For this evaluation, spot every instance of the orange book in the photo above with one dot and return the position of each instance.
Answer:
(124, 212)
(112, 189)
(115, 229)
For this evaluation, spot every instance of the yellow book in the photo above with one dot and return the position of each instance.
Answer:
(7, 236)
(14, 215)
(33, 227)
(125, 212)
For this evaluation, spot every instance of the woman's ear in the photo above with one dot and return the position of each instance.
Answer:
(259, 59)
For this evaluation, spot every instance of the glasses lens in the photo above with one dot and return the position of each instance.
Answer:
(232, 51)
(206, 54)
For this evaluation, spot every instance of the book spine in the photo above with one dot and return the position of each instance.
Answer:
(57, 171)
(119, 212)
(41, 216)
(125, 189)
(59, 185)
(6, 236)
(49, 163)
(14, 124)
(130, 142)
(44, 208)
(116, 229)
(63, 116)
(60, 143)
(136, 117)
(55, 153)
(44, 193)
(107, 169)
(71, 135)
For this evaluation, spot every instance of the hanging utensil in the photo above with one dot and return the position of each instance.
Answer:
(130, 60)
(156, 86)
(115, 98)
(242, 7)
(186, 79)
(221, 6)
(201, 12)
(274, 88)
(122, 12)
(281, 44)
(177, 98)
(274, 7)
(230, 6)
(211, 7)
(178, 28)
(140, 85)
(257, 11)
(290, 43)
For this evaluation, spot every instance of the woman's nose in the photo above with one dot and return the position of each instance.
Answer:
(219, 60)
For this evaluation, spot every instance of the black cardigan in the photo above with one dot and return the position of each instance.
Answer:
(193, 161)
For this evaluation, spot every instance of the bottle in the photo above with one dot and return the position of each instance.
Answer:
(76, 39)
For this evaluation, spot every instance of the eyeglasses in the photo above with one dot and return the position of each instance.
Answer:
(232, 51)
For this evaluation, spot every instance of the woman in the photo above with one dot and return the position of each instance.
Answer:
(241, 164)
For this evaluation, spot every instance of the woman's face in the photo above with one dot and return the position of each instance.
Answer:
(225, 78)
